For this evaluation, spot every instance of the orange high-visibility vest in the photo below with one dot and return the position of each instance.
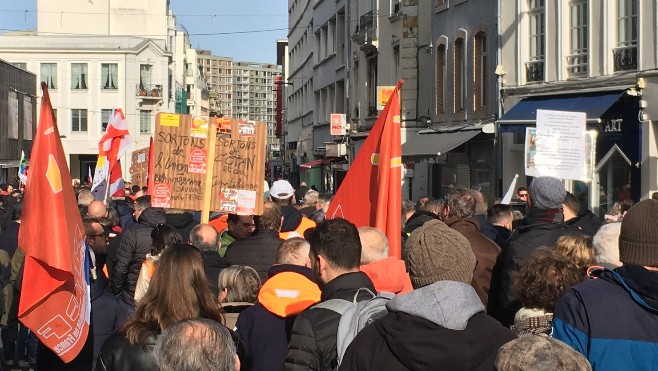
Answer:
(305, 224)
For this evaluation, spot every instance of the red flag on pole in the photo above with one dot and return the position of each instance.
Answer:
(371, 193)
(54, 301)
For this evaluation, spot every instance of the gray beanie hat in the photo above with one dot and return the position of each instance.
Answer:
(547, 192)
(539, 352)
(435, 252)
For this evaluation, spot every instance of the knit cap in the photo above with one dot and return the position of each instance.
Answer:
(638, 240)
(539, 352)
(547, 192)
(435, 252)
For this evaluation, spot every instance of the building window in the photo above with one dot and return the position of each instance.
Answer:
(144, 121)
(109, 76)
(145, 76)
(459, 81)
(79, 76)
(577, 59)
(625, 54)
(49, 74)
(12, 100)
(480, 75)
(372, 86)
(440, 70)
(105, 118)
(27, 118)
(78, 120)
(535, 67)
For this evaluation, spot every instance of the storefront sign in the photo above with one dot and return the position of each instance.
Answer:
(383, 95)
(560, 145)
(338, 124)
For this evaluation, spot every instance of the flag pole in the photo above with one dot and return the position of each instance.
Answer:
(210, 169)
(107, 185)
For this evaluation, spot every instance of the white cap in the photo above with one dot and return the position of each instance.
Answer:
(282, 189)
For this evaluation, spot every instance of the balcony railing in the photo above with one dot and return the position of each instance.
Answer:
(534, 71)
(577, 64)
(625, 58)
(150, 91)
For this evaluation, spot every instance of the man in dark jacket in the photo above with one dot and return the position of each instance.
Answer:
(9, 237)
(441, 324)
(542, 226)
(300, 193)
(459, 212)
(182, 221)
(265, 327)
(585, 221)
(206, 239)
(294, 223)
(430, 209)
(135, 244)
(335, 255)
(613, 320)
(259, 250)
(501, 218)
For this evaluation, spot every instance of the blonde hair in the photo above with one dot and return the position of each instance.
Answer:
(242, 284)
(578, 249)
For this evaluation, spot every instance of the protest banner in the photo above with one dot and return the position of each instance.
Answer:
(139, 166)
(560, 145)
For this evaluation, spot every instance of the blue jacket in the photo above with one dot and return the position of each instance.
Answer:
(612, 320)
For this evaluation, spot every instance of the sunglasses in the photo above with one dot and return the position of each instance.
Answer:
(97, 235)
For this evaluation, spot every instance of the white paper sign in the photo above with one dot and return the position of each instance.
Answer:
(560, 145)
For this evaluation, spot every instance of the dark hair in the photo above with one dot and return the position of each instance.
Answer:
(16, 211)
(521, 189)
(163, 236)
(422, 201)
(87, 225)
(337, 240)
(143, 202)
(433, 205)
(113, 216)
(233, 218)
(544, 278)
(498, 212)
(135, 188)
(271, 218)
(195, 344)
(3, 187)
(178, 291)
(461, 203)
(572, 203)
(654, 195)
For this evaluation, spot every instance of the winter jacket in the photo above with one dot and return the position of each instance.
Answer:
(416, 220)
(533, 233)
(265, 328)
(125, 214)
(612, 320)
(587, 222)
(146, 272)
(212, 265)
(294, 223)
(182, 223)
(135, 244)
(9, 238)
(232, 310)
(486, 228)
(502, 236)
(388, 275)
(117, 354)
(437, 327)
(313, 341)
(107, 316)
(486, 252)
(257, 251)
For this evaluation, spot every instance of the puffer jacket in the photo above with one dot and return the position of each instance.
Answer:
(257, 251)
(135, 244)
(183, 224)
(117, 354)
(313, 341)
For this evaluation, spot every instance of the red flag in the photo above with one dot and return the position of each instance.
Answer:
(149, 173)
(371, 193)
(54, 301)
(116, 140)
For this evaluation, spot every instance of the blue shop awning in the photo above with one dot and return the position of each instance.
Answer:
(594, 106)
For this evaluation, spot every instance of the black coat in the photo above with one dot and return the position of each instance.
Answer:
(400, 341)
(532, 234)
(135, 244)
(587, 222)
(183, 224)
(415, 221)
(313, 340)
(257, 251)
(118, 354)
(212, 265)
(502, 236)
(486, 227)
(9, 239)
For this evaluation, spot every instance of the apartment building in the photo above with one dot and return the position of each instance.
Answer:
(218, 73)
(592, 56)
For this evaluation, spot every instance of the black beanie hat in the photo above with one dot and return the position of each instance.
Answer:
(638, 240)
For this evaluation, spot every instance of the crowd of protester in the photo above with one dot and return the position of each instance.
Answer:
(538, 285)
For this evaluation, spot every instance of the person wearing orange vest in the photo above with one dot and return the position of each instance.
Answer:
(294, 223)
(388, 273)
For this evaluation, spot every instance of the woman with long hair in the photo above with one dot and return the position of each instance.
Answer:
(178, 291)
(163, 235)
